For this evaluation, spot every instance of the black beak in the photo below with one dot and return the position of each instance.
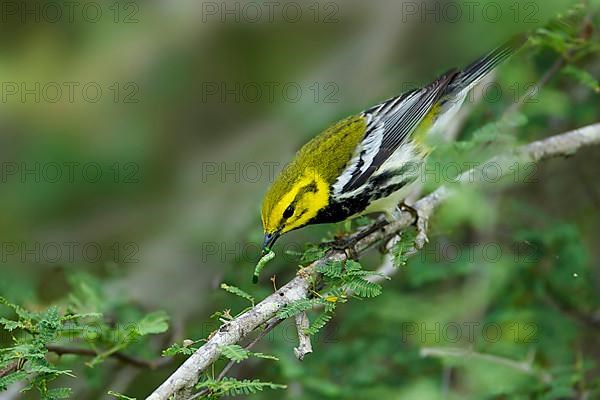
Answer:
(270, 239)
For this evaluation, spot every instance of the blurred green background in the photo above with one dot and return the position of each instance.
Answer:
(138, 139)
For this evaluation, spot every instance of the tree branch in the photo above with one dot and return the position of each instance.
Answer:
(9, 369)
(304, 345)
(122, 357)
(180, 384)
(270, 326)
(525, 366)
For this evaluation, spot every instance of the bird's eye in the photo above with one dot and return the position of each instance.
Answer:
(288, 212)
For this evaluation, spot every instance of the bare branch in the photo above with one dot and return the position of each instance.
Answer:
(525, 366)
(304, 345)
(180, 384)
(122, 357)
(9, 369)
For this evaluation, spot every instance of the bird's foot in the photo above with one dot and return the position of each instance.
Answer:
(345, 244)
(421, 223)
(348, 243)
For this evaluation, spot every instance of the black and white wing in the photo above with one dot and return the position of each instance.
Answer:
(389, 124)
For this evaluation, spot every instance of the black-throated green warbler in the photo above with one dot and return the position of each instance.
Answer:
(366, 163)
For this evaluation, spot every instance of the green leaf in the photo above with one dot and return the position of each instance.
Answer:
(313, 253)
(235, 352)
(43, 369)
(265, 356)
(21, 312)
(238, 354)
(153, 323)
(176, 348)
(352, 266)
(59, 393)
(319, 323)
(120, 396)
(582, 76)
(297, 307)
(70, 317)
(8, 380)
(10, 325)
(332, 269)
(400, 249)
(234, 387)
(238, 292)
(364, 288)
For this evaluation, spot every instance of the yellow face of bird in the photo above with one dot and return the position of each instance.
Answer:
(302, 188)
(291, 202)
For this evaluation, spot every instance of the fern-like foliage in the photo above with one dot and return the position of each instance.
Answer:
(237, 353)
(119, 396)
(332, 269)
(27, 356)
(583, 76)
(238, 292)
(312, 253)
(400, 249)
(319, 323)
(234, 387)
(340, 278)
(363, 288)
(297, 307)
(177, 348)
(33, 332)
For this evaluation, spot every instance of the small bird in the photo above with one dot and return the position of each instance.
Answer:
(369, 162)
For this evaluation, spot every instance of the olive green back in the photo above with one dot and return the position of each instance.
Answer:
(327, 154)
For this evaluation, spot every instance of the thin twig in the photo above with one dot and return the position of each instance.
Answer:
(525, 366)
(533, 90)
(9, 369)
(560, 62)
(556, 300)
(122, 357)
(304, 344)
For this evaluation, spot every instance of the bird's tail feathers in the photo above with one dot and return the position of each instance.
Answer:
(473, 73)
